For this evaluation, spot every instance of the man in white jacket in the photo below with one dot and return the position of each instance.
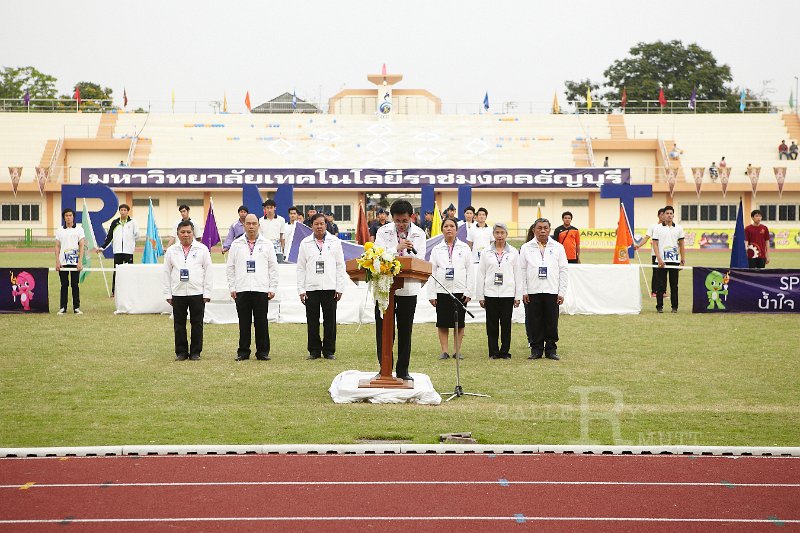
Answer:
(252, 272)
(543, 262)
(187, 283)
(321, 279)
(123, 232)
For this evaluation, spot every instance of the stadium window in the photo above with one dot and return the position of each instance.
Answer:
(145, 202)
(708, 213)
(191, 202)
(19, 212)
(768, 212)
(575, 202)
(341, 212)
(787, 213)
(689, 213)
(531, 202)
(727, 212)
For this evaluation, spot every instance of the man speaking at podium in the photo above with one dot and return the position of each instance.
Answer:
(405, 239)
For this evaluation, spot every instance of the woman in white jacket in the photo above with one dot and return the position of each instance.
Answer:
(451, 262)
(499, 290)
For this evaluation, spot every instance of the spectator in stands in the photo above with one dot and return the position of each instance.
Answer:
(748, 170)
(123, 233)
(756, 238)
(676, 152)
(122, 164)
(793, 151)
(70, 241)
(236, 230)
(647, 237)
(570, 238)
(713, 171)
(184, 211)
(272, 226)
(377, 223)
(783, 150)
(723, 163)
(330, 224)
(605, 162)
(668, 245)
(427, 223)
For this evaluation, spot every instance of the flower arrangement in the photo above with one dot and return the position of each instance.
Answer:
(381, 267)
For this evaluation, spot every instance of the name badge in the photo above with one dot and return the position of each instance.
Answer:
(449, 273)
(320, 267)
(498, 278)
(543, 272)
(251, 266)
(184, 274)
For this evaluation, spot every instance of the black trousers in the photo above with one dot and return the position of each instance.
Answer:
(498, 321)
(543, 312)
(70, 279)
(252, 307)
(653, 276)
(404, 308)
(752, 262)
(316, 300)
(660, 285)
(119, 259)
(195, 306)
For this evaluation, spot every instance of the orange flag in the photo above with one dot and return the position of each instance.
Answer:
(624, 239)
(362, 230)
(247, 100)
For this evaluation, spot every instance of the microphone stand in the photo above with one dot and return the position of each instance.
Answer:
(459, 391)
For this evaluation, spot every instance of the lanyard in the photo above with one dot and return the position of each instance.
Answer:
(186, 252)
(541, 249)
(499, 256)
(450, 251)
(316, 242)
(252, 247)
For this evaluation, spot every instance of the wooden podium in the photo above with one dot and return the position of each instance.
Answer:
(411, 268)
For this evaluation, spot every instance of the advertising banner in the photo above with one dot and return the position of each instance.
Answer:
(735, 290)
(696, 238)
(23, 290)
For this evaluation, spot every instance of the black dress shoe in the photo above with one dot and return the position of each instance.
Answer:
(554, 356)
(263, 357)
(181, 357)
(329, 356)
(407, 377)
(242, 358)
(313, 356)
(535, 355)
(194, 357)
(505, 356)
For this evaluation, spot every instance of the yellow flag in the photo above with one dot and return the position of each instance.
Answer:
(436, 221)
(556, 108)
(588, 98)
(224, 102)
(538, 211)
(173, 100)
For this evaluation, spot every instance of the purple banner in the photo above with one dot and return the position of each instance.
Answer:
(23, 290)
(741, 290)
(355, 178)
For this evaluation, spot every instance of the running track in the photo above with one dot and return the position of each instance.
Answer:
(434, 492)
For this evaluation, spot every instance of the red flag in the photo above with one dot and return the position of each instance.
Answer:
(77, 94)
(662, 100)
(124, 98)
(624, 97)
(383, 70)
(362, 231)
(247, 100)
(624, 239)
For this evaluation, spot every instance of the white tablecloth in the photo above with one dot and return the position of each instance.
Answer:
(592, 289)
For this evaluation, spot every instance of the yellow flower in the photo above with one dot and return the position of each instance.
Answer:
(368, 245)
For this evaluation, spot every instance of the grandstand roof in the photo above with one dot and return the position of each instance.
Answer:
(283, 104)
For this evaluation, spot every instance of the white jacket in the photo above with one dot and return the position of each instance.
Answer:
(463, 281)
(197, 261)
(554, 258)
(334, 278)
(265, 278)
(386, 238)
(508, 266)
(123, 236)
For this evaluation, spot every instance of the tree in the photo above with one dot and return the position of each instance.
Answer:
(15, 81)
(93, 91)
(576, 92)
(678, 68)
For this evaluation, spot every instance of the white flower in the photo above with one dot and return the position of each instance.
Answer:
(376, 264)
(387, 256)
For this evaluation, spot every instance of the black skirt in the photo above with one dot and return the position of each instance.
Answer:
(446, 309)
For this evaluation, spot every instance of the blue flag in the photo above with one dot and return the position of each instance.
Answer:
(741, 102)
(486, 101)
(738, 249)
(294, 100)
(152, 245)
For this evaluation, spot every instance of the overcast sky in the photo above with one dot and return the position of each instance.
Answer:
(520, 50)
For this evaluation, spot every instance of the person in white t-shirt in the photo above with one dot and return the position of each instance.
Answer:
(479, 236)
(272, 226)
(469, 217)
(647, 237)
(669, 249)
(70, 241)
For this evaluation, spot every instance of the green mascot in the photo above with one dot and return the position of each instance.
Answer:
(715, 283)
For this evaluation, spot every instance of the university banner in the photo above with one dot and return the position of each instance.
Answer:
(741, 290)
(23, 290)
(356, 178)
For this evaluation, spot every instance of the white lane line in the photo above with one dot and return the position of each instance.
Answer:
(105, 485)
(72, 520)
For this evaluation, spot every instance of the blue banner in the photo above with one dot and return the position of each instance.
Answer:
(741, 290)
(24, 290)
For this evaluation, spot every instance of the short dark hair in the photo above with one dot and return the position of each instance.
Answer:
(64, 212)
(183, 206)
(565, 213)
(669, 208)
(126, 206)
(485, 212)
(661, 211)
(183, 224)
(315, 217)
(756, 212)
(401, 207)
(449, 219)
(269, 201)
(469, 208)
(243, 208)
(293, 208)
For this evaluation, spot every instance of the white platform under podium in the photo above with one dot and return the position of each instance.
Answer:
(592, 289)
(344, 389)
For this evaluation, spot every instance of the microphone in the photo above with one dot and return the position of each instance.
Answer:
(404, 235)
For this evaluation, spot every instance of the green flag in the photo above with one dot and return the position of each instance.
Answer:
(89, 245)
(791, 100)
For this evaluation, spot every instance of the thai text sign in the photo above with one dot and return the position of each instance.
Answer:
(742, 290)
(355, 178)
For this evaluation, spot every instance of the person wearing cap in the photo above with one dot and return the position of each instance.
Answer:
(499, 290)
(450, 212)
(330, 225)
(378, 223)
(543, 263)
(236, 230)
(272, 226)
(427, 223)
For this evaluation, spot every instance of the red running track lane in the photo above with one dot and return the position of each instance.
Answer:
(402, 492)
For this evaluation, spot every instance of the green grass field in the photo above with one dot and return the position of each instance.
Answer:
(101, 379)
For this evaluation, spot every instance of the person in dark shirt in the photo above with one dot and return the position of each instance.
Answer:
(570, 238)
(331, 226)
(310, 214)
(427, 223)
(376, 224)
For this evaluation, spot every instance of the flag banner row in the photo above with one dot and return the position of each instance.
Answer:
(723, 176)
(743, 290)
(24, 290)
(41, 178)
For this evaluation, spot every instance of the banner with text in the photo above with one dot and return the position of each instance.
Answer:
(741, 290)
(23, 290)
(696, 238)
(356, 178)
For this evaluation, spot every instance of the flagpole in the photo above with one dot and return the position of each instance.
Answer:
(635, 250)
(99, 253)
